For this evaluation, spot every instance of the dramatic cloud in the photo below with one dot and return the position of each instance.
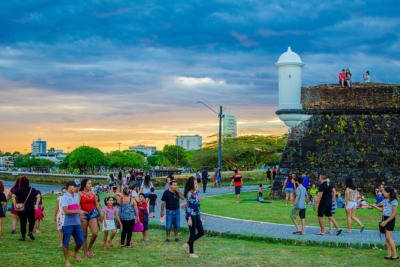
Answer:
(103, 72)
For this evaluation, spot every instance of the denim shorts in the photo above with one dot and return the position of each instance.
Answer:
(289, 190)
(74, 230)
(173, 218)
(91, 215)
(152, 208)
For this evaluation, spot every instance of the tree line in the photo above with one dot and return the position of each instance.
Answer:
(244, 153)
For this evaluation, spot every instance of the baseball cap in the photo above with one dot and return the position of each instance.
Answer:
(75, 183)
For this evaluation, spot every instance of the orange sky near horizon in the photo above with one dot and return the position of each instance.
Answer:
(87, 122)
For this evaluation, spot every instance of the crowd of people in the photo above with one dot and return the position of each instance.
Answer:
(129, 207)
(325, 200)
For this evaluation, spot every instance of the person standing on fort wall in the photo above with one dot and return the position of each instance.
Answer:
(324, 203)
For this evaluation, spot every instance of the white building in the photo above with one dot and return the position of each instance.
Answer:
(290, 110)
(229, 125)
(38, 147)
(147, 150)
(189, 142)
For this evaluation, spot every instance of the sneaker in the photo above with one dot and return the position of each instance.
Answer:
(31, 236)
(177, 240)
(193, 256)
(38, 231)
(167, 240)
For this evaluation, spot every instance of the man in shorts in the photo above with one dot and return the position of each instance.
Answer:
(324, 203)
(170, 201)
(237, 180)
(299, 207)
(72, 223)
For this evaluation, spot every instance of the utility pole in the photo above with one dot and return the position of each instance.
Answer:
(220, 116)
(220, 139)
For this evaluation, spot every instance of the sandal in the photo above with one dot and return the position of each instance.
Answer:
(387, 257)
(297, 232)
(76, 257)
(319, 233)
(392, 258)
(110, 243)
(90, 254)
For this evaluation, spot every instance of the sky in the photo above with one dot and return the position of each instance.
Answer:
(114, 74)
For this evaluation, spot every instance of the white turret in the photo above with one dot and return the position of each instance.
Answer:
(289, 67)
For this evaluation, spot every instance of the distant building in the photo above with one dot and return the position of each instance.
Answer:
(54, 152)
(229, 126)
(38, 147)
(189, 142)
(147, 150)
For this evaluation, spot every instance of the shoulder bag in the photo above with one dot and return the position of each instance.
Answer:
(21, 206)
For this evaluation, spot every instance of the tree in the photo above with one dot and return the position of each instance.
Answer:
(118, 159)
(158, 160)
(176, 155)
(86, 158)
(245, 152)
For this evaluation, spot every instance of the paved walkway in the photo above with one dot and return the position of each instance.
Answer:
(219, 224)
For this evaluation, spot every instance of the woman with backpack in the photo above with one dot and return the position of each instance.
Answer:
(351, 205)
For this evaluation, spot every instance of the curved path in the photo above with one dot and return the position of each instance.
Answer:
(219, 224)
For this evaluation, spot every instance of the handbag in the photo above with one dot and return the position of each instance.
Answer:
(21, 206)
(138, 227)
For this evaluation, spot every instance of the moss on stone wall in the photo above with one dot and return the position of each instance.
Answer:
(352, 133)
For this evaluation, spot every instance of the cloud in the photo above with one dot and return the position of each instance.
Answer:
(126, 65)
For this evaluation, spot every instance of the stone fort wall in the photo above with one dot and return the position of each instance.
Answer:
(353, 132)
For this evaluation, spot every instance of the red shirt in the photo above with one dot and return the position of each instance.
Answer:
(237, 179)
(142, 211)
(88, 201)
(342, 76)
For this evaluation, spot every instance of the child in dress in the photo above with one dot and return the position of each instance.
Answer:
(110, 212)
(59, 216)
(144, 216)
(152, 203)
(39, 216)
(260, 193)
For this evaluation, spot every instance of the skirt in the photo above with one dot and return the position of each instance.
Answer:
(110, 225)
(39, 214)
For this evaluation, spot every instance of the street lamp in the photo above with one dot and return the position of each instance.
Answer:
(219, 132)
(119, 146)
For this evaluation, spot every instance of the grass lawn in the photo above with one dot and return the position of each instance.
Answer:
(212, 250)
(277, 211)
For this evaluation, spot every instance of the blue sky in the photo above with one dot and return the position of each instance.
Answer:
(102, 72)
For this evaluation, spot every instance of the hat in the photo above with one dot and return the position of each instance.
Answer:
(75, 183)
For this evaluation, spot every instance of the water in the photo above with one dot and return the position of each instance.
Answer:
(43, 188)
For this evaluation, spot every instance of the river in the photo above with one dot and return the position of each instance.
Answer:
(43, 188)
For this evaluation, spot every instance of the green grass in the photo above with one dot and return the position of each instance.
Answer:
(277, 211)
(213, 250)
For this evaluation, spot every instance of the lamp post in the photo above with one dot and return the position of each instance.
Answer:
(219, 132)
(119, 146)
